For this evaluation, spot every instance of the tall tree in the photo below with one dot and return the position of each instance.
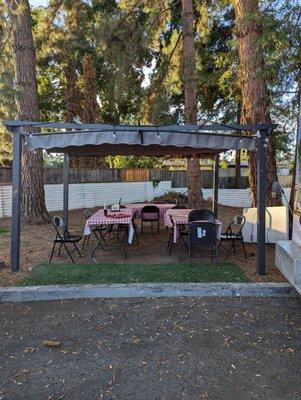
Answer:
(194, 183)
(33, 209)
(90, 111)
(255, 96)
(90, 106)
(72, 92)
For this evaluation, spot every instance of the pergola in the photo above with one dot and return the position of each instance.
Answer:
(140, 140)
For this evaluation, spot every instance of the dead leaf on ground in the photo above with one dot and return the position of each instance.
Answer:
(52, 343)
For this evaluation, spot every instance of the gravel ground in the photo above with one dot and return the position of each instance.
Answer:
(140, 349)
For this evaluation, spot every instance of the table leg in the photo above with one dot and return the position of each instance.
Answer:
(98, 244)
(179, 243)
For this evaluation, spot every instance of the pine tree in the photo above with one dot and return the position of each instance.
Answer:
(90, 106)
(72, 92)
(33, 208)
(194, 183)
(255, 96)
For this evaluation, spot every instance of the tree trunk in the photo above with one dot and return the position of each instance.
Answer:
(255, 97)
(194, 183)
(90, 114)
(33, 208)
(72, 93)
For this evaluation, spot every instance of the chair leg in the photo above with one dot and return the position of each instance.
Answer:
(171, 244)
(69, 254)
(76, 248)
(84, 242)
(233, 244)
(95, 234)
(183, 240)
(169, 239)
(52, 251)
(229, 251)
(123, 249)
(136, 235)
(216, 255)
(102, 236)
(59, 252)
(244, 249)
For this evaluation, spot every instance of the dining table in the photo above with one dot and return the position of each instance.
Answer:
(110, 218)
(137, 207)
(176, 218)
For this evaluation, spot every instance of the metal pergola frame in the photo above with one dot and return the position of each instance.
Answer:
(261, 133)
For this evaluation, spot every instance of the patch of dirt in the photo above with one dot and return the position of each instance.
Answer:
(36, 244)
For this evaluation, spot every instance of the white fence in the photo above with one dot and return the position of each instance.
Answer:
(86, 195)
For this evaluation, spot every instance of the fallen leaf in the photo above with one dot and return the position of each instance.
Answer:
(52, 343)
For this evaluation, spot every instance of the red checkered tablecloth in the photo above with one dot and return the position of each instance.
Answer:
(138, 207)
(99, 218)
(180, 217)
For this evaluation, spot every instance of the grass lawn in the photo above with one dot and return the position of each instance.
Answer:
(55, 274)
(3, 231)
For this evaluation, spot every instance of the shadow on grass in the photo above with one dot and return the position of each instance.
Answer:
(55, 274)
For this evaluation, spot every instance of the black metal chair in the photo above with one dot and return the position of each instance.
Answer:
(201, 215)
(98, 231)
(182, 232)
(201, 233)
(63, 237)
(233, 234)
(150, 214)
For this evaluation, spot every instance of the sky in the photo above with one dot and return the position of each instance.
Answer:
(36, 3)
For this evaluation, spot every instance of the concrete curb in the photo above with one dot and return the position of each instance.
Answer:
(64, 292)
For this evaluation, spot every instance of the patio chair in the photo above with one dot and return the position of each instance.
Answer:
(63, 237)
(234, 234)
(201, 215)
(98, 231)
(202, 233)
(150, 214)
(182, 232)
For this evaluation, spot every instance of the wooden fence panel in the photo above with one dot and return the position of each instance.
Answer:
(55, 175)
(5, 175)
(178, 178)
(135, 175)
(159, 174)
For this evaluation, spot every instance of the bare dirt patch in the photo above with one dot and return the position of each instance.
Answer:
(36, 243)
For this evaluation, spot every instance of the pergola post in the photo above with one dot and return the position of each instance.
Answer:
(16, 200)
(261, 204)
(66, 190)
(215, 185)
